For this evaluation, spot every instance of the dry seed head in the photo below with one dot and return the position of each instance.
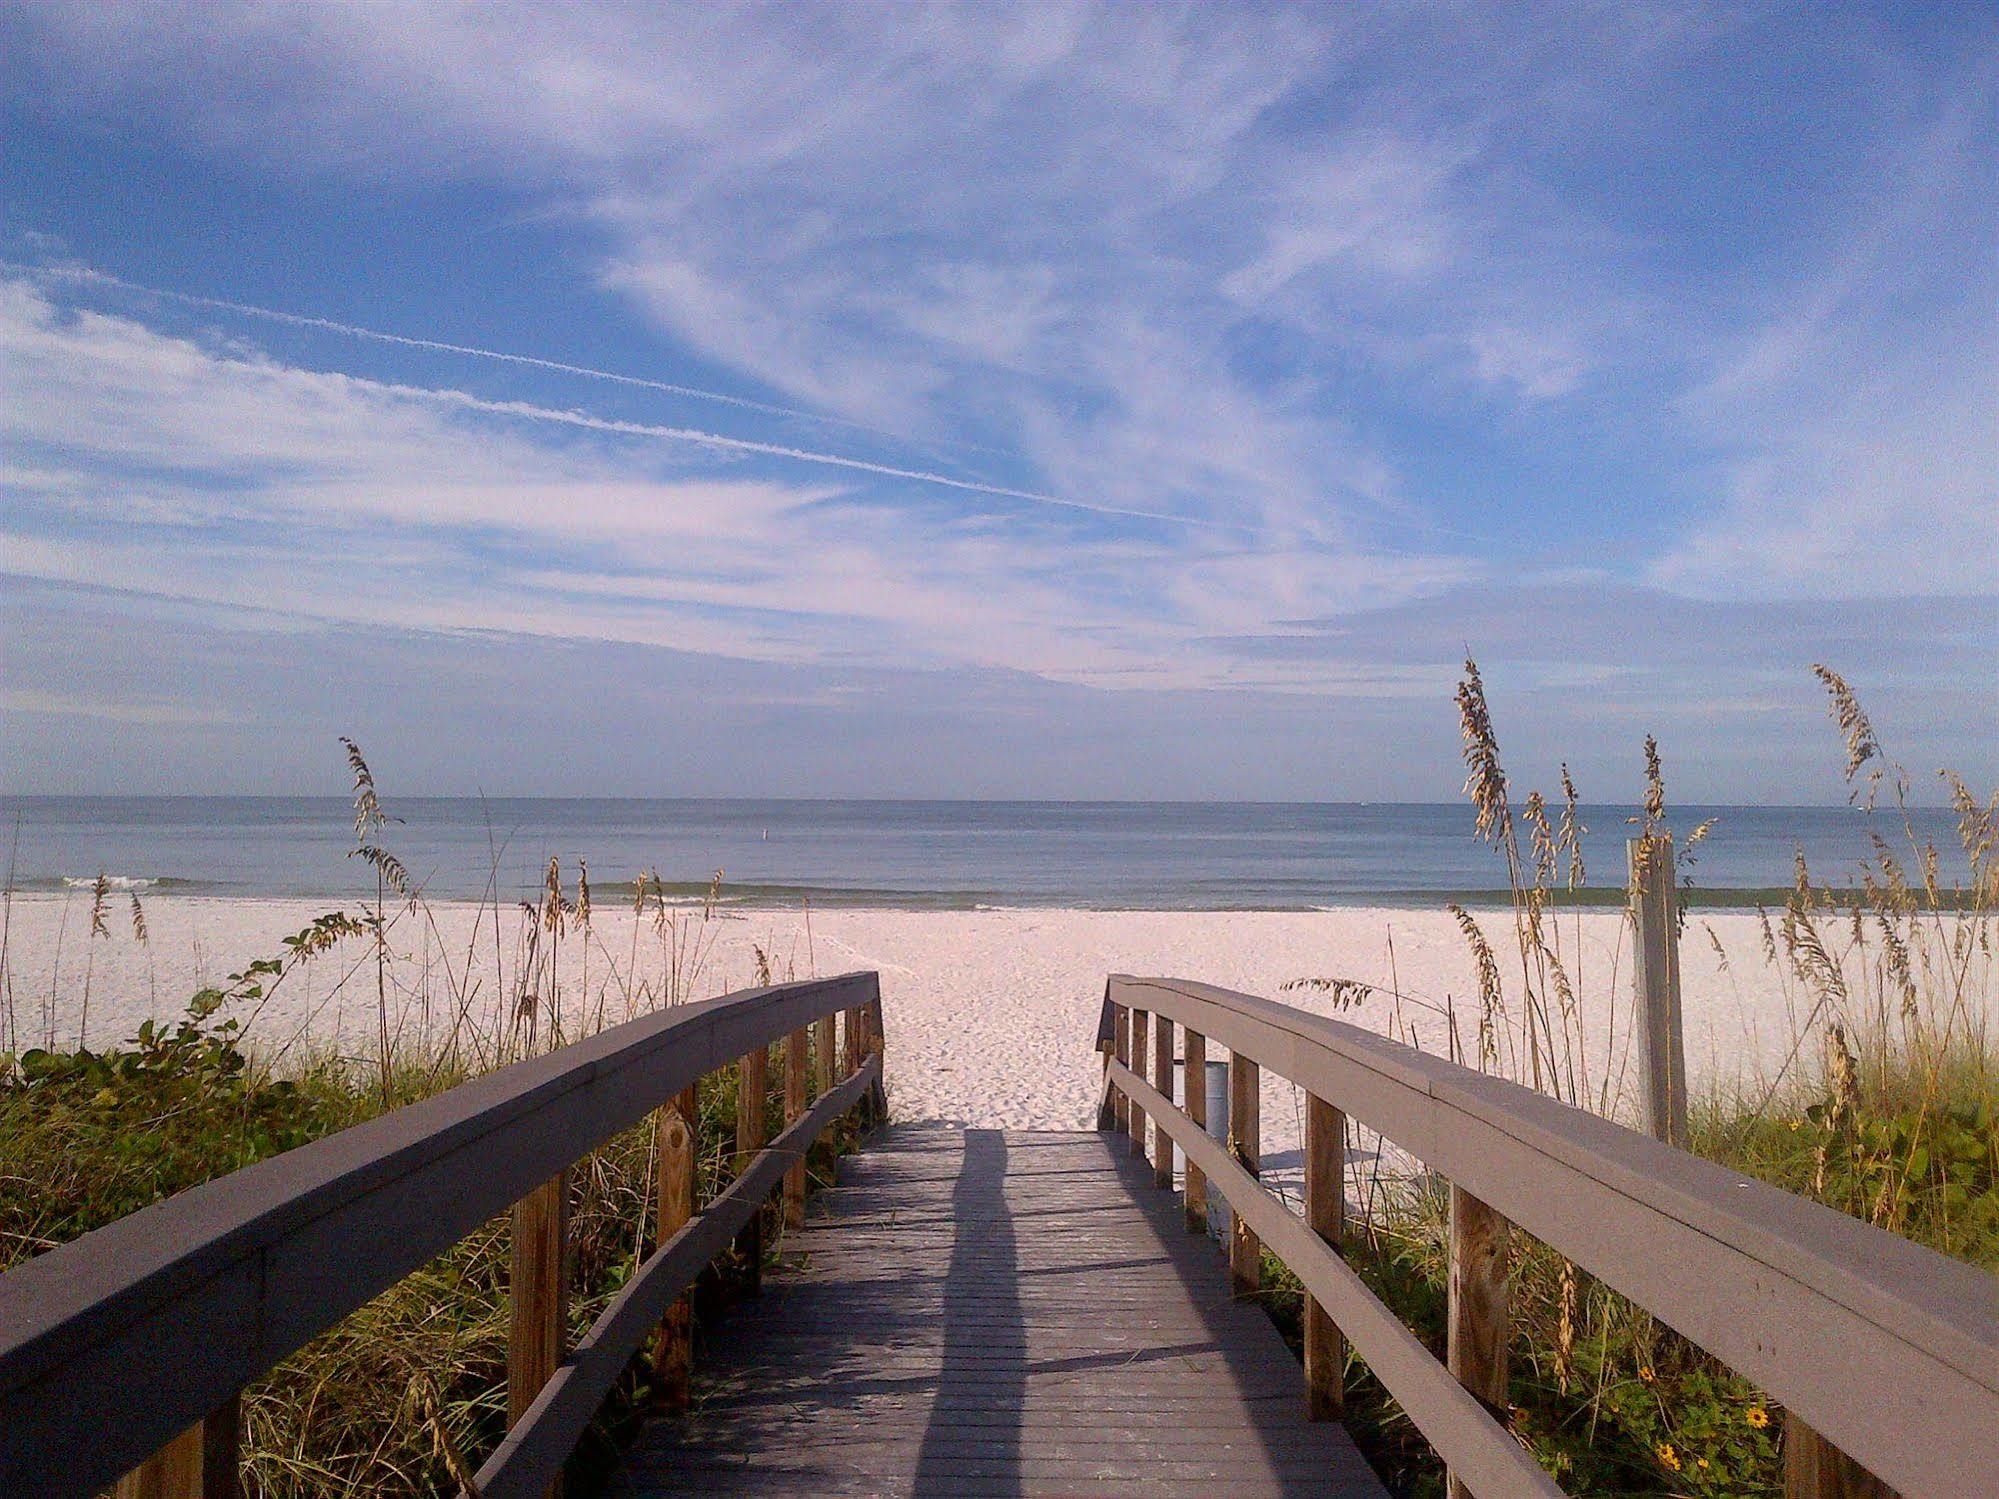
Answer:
(140, 931)
(1565, 1326)
(1485, 780)
(367, 806)
(1655, 787)
(1572, 829)
(1854, 724)
(1490, 1000)
(1345, 993)
(100, 896)
(582, 893)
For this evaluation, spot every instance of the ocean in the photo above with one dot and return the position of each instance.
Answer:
(952, 854)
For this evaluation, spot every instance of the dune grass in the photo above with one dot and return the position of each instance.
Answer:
(408, 1394)
(1887, 1109)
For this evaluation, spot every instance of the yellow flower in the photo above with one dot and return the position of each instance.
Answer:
(1645, 1373)
(1700, 1462)
(1757, 1417)
(1668, 1456)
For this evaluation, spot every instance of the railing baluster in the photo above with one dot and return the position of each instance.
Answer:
(539, 1291)
(1140, 1029)
(1162, 1079)
(752, 1088)
(1195, 1070)
(1245, 1107)
(1325, 1212)
(795, 1061)
(1815, 1469)
(824, 1044)
(200, 1463)
(678, 1150)
(877, 1047)
(1121, 1050)
(1479, 1319)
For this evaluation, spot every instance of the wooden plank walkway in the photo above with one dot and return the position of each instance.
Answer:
(997, 1313)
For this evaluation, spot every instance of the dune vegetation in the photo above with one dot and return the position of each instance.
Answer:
(1886, 1108)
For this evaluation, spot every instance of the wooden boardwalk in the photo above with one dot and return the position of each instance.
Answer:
(985, 1312)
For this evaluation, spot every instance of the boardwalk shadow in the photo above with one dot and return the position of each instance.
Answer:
(984, 1256)
(992, 1315)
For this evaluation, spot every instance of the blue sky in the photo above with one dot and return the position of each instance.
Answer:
(1134, 401)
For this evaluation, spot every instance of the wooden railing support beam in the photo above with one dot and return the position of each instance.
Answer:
(539, 1290)
(752, 1091)
(1478, 1313)
(1245, 1144)
(1121, 1052)
(677, 1150)
(1195, 1070)
(877, 1047)
(1815, 1469)
(1141, 1031)
(796, 1060)
(1162, 1079)
(1325, 1213)
(200, 1463)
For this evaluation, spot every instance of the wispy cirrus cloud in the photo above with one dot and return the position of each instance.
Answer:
(1122, 346)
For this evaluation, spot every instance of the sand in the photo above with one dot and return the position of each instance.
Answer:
(990, 1014)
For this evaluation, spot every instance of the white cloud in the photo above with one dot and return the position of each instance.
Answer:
(164, 465)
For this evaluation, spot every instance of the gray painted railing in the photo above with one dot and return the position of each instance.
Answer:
(114, 1345)
(1887, 1349)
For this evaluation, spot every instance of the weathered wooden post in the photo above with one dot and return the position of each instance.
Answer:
(825, 1048)
(752, 1088)
(1121, 1052)
(1325, 1213)
(1141, 1025)
(1662, 1052)
(795, 1063)
(1162, 1079)
(1195, 1070)
(200, 1463)
(877, 1047)
(678, 1149)
(1245, 1142)
(1477, 1310)
(1815, 1469)
(539, 1290)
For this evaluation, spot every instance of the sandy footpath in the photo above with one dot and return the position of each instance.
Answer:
(991, 1015)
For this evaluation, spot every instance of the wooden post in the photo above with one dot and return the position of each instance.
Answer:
(1162, 1079)
(795, 1062)
(1815, 1469)
(1245, 1100)
(850, 1042)
(1141, 1024)
(752, 1087)
(1325, 1214)
(200, 1463)
(673, 1348)
(824, 1047)
(1121, 1050)
(1477, 1308)
(1195, 1069)
(878, 1046)
(540, 1322)
(1662, 1053)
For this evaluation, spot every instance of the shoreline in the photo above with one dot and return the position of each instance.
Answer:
(991, 1015)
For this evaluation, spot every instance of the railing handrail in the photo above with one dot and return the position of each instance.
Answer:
(1880, 1344)
(115, 1342)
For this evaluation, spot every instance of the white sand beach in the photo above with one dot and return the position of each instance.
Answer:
(990, 1014)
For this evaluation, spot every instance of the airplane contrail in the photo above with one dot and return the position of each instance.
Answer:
(529, 411)
(92, 276)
